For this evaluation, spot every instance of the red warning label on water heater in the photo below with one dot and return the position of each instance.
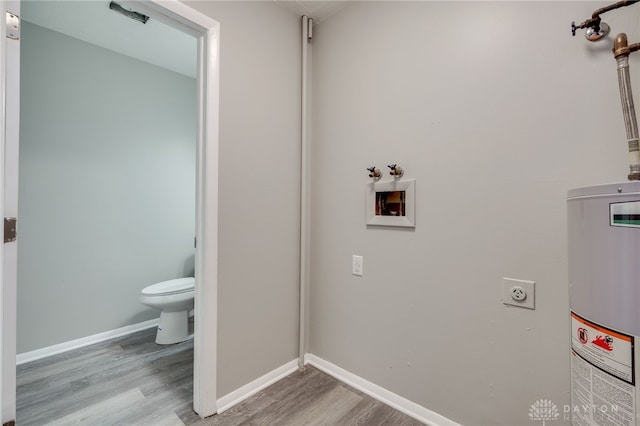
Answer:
(609, 350)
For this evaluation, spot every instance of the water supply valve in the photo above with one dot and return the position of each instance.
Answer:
(396, 171)
(374, 173)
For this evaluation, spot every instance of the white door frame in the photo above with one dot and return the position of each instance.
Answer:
(207, 32)
(3, 61)
(10, 121)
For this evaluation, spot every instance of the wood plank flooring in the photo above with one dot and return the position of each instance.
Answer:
(133, 381)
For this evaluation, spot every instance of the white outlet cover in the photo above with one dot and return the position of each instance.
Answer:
(528, 286)
(357, 265)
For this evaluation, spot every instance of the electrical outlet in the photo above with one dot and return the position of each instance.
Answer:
(357, 267)
(519, 293)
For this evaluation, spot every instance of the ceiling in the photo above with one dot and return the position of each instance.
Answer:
(153, 42)
(318, 10)
(93, 22)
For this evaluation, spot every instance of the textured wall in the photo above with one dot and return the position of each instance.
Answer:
(259, 188)
(496, 111)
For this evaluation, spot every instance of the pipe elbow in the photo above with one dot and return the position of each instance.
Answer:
(621, 46)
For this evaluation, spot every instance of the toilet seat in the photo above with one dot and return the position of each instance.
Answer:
(165, 288)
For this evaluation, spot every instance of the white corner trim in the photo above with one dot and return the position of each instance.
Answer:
(256, 386)
(412, 409)
(83, 341)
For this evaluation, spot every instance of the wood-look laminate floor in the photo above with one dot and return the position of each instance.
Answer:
(133, 381)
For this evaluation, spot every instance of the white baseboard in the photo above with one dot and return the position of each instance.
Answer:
(256, 386)
(412, 409)
(83, 341)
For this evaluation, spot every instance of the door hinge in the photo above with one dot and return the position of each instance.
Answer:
(10, 229)
(13, 26)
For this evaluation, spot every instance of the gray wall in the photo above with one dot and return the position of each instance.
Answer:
(496, 111)
(107, 186)
(259, 188)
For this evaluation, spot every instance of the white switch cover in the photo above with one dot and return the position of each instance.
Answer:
(519, 293)
(357, 267)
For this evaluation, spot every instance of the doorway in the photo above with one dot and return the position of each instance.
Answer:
(107, 170)
(206, 30)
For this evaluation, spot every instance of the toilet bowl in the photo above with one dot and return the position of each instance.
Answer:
(174, 300)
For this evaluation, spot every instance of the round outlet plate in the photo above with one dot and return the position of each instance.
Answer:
(518, 293)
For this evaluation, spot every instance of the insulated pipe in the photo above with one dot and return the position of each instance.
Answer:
(621, 51)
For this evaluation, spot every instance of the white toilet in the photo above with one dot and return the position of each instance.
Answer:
(174, 300)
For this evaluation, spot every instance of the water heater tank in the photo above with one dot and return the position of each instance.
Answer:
(604, 294)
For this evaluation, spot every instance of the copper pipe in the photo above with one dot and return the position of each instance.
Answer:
(621, 48)
(597, 28)
(596, 14)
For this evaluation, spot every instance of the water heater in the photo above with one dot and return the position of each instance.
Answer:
(604, 294)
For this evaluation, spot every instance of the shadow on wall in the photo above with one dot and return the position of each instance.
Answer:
(139, 317)
(189, 266)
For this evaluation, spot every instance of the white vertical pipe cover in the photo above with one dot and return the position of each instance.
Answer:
(307, 23)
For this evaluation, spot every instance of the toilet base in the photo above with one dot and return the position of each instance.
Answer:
(173, 327)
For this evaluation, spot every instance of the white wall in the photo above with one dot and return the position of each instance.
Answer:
(496, 111)
(107, 186)
(259, 188)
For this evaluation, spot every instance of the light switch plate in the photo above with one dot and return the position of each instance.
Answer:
(357, 267)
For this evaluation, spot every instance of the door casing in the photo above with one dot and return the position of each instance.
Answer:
(207, 31)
